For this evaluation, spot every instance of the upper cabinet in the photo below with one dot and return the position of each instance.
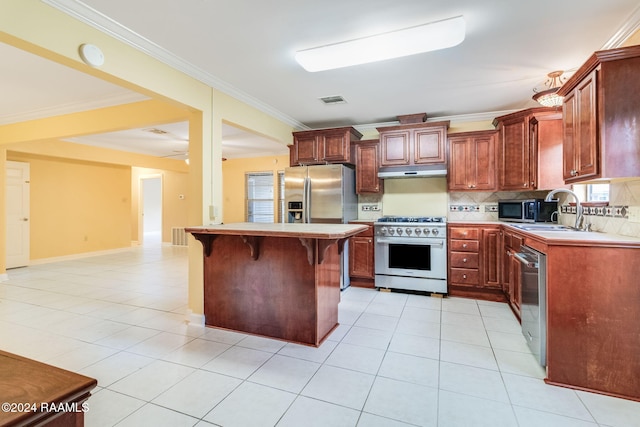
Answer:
(413, 144)
(530, 150)
(323, 146)
(601, 117)
(367, 155)
(472, 161)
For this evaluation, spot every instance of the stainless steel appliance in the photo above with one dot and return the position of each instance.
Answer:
(411, 253)
(322, 194)
(534, 301)
(531, 210)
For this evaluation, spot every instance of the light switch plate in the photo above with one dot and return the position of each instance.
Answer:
(634, 214)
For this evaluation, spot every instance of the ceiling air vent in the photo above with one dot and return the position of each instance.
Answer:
(331, 100)
(156, 131)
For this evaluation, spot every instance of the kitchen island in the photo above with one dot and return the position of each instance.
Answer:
(275, 280)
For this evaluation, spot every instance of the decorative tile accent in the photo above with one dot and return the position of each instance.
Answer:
(464, 208)
(491, 208)
(605, 211)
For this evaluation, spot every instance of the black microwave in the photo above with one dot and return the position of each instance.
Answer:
(531, 210)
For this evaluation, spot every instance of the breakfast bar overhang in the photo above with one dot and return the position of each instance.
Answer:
(275, 280)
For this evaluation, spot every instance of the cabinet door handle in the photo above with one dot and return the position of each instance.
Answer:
(525, 185)
(369, 240)
(464, 276)
(464, 245)
(464, 260)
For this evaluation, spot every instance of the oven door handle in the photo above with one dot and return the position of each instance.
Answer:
(417, 242)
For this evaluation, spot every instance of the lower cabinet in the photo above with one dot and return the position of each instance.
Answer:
(474, 253)
(362, 258)
(511, 243)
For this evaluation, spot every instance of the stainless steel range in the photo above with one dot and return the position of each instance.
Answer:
(411, 253)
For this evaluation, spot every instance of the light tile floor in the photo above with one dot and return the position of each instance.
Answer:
(395, 359)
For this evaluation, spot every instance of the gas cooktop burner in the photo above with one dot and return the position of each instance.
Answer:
(411, 219)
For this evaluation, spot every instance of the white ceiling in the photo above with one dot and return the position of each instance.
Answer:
(245, 48)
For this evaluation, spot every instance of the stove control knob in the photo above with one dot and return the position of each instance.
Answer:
(392, 231)
(399, 231)
(383, 230)
(408, 231)
(426, 231)
(418, 231)
(434, 232)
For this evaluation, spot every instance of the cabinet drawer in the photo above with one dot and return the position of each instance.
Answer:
(464, 276)
(464, 259)
(464, 245)
(464, 233)
(516, 242)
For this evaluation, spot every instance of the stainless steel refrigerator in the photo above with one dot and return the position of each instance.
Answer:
(322, 194)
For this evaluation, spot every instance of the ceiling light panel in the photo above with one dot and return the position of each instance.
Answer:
(395, 44)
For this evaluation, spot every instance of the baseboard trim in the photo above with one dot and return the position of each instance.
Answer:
(77, 256)
(194, 319)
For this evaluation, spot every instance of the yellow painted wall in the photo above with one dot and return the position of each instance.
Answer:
(234, 191)
(415, 196)
(76, 206)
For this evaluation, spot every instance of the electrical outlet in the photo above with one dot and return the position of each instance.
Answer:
(366, 207)
(375, 208)
(634, 213)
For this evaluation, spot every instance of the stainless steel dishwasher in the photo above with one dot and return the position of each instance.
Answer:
(533, 307)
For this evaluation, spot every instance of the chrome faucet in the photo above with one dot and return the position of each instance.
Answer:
(549, 198)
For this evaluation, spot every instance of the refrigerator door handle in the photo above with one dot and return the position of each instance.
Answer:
(306, 211)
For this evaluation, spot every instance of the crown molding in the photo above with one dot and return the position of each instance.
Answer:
(103, 23)
(461, 118)
(72, 107)
(630, 26)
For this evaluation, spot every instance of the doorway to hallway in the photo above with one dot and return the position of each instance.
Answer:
(151, 210)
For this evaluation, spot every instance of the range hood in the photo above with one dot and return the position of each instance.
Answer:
(413, 172)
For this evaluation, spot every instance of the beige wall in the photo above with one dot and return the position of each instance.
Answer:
(234, 191)
(76, 206)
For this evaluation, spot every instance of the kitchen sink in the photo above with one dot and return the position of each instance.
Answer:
(542, 227)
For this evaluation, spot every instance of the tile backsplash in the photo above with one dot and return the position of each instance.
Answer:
(483, 206)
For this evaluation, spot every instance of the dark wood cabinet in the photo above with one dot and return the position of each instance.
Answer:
(323, 146)
(580, 150)
(472, 161)
(367, 155)
(490, 250)
(413, 144)
(511, 281)
(529, 155)
(474, 253)
(592, 318)
(601, 126)
(362, 258)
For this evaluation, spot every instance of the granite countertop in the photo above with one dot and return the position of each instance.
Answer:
(561, 237)
(594, 237)
(312, 231)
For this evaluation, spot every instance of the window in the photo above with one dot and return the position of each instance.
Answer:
(259, 186)
(598, 193)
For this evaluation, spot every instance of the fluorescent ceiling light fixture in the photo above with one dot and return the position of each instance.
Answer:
(394, 44)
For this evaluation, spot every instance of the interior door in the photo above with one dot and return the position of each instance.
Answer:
(17, 230)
